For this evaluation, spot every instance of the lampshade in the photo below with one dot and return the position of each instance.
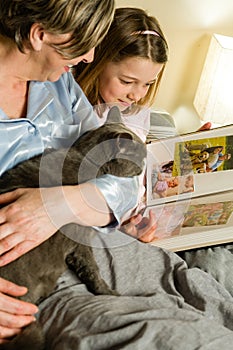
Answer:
(214, 96)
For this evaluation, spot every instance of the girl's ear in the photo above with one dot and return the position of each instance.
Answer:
(37, 36)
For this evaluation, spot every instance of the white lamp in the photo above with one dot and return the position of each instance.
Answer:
(214, 96)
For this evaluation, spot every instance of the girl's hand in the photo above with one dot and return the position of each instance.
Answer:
(142, 228)
(14, 314)
(204, 127)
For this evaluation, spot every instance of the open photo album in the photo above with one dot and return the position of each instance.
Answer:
(190, 189)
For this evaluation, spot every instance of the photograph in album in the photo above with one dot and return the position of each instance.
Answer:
(205, 155)
(190, 189)
(193, 223)
(189, 166)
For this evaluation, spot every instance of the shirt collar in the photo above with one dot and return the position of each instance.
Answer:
(39, 98)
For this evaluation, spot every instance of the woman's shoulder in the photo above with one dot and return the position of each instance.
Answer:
(67, 90)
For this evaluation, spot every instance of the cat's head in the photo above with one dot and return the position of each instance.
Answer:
(113, 149)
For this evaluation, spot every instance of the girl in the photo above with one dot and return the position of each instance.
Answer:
(128, 66)
(127, 70)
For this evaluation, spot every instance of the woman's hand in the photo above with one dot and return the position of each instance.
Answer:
(30, 216)
(24, 223)
(14, 314)
(142, 228)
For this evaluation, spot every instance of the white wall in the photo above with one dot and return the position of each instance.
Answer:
(187, 25)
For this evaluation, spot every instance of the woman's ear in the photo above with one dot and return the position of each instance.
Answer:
(37, 36)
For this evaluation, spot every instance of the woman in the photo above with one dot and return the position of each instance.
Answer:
(42, 107)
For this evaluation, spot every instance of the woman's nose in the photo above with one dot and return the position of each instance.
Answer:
(89, 56)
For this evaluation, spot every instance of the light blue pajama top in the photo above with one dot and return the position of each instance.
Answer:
(57, 114)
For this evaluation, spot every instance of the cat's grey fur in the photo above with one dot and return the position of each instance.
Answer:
(110, 149)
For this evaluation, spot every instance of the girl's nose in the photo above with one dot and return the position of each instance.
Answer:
(136, 94)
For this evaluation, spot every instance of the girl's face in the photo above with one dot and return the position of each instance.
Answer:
(128, 81)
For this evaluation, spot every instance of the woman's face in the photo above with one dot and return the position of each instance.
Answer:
(128, 81)
(48, 64)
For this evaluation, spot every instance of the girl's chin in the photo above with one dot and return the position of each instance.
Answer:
(123, 106)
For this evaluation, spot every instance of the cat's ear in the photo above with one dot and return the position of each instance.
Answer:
(114, 115)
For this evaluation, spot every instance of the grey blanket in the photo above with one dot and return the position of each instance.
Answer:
(164, 304)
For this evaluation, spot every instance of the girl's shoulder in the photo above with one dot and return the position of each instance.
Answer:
(139, 122)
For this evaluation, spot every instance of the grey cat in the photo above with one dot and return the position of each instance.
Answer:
(109, 149)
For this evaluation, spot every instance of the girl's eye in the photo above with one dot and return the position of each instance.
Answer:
(125, 82)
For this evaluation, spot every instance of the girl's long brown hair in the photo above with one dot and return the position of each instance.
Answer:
(122, 42)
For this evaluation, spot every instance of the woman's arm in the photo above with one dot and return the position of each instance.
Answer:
(30, 216)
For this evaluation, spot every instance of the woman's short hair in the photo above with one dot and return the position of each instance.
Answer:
(87, 21)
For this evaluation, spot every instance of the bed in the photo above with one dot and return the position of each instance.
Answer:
(167, 300)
